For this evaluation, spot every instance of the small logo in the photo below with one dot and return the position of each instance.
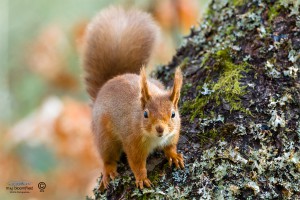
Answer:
(42, 186)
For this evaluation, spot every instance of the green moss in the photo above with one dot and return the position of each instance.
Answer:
(238, 2)
(216, 134)
(155, 178)
(274, 11)
(209, 136)
(185, 88)
(223, 55)
(196, 106)
(184, 63)
(209, 12)
(227, 87)
(230, 29)
(205, 59)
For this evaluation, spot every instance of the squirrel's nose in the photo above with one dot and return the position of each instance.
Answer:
(160, 130)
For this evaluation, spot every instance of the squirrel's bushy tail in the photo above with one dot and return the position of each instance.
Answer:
(117, 42)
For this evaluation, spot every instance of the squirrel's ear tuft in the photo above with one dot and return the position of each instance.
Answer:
(145, 95)
(175, 95)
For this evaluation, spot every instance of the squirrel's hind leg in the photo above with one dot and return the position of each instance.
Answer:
(110, 149)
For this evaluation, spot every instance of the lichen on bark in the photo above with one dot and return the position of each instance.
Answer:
(240, 108)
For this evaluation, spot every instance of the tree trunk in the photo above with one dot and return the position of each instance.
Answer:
(240, 108)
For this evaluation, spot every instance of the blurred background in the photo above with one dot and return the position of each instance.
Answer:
(44, 114)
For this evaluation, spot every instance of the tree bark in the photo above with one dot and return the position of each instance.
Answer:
(240, 108)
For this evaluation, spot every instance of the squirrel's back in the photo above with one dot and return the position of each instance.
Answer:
(117, 42)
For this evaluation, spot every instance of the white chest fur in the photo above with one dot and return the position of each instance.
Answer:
(158, 142)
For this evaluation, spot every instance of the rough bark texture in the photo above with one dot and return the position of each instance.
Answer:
(240, 108)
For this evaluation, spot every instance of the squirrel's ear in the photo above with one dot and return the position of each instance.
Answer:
(175, 95)
(145, 95)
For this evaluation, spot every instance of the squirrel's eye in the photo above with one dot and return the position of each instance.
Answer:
(146, 114)
(173, 114)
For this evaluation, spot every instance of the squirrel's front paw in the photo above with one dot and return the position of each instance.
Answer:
(177, 159)
(143, 181)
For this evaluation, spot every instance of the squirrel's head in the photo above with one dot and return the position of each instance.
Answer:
(160, 108)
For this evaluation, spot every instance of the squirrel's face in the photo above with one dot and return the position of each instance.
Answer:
(160, 117)
(160, 111)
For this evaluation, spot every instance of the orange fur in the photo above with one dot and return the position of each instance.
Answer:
(177, 86)
(120, 102)
(117, 42)
(144, 88)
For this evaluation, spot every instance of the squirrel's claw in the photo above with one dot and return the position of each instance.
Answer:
(140, 183)
(103, 185)
(113, 175)
(170, 162)
(177, 160)
(106, 179)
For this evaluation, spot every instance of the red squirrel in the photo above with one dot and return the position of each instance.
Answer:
(130, 112)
